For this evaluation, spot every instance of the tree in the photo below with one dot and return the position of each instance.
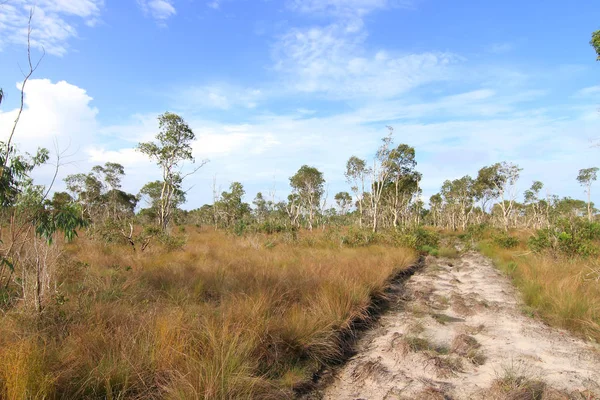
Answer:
(459, 196)
(231, 206)
(498, 182)
(111, 174)
(343, 201)
(585, 178)
(534, 204)
(401, 164)
(595, 43)
(356, 172)
(308, 185)
(380, 172)
(261, 210)
(151, 193)
(170, 153)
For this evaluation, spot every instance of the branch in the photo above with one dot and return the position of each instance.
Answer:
(32, 69)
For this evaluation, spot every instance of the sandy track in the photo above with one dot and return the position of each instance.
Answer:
(459, 333)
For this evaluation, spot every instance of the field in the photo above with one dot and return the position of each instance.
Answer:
(223, 317)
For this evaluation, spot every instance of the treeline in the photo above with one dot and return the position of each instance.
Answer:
(384, 195)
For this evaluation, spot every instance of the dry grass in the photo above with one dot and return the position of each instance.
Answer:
(224, 318)
(559, 290)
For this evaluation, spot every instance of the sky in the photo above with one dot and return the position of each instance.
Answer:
(270, 85)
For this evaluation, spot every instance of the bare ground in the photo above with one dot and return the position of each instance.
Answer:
(459, 332)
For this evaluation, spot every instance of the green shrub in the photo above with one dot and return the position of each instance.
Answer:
(424, 237)
(572, 237)
(432, 251)
(506, 241)
(358, 237)
(473, 232)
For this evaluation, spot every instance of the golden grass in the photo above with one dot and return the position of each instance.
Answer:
(224, 318)
(559, 290)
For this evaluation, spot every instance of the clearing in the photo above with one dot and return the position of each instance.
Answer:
(459, 331)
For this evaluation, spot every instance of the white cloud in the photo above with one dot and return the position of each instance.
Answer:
(160, 10)
(331, 60)
(589, 91)
(52, 110)
(217, 96)
(54, 22)
(345, 8)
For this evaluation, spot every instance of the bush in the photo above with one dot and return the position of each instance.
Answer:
(473, 232)
(424, 237)
(358, 237)
(506, 241)
(432, 251)
(569, 237)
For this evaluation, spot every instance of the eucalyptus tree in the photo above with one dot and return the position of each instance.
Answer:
(404, 179)
(379, 175)
(152, 193)
(231, 206)
(343, 201)
(534, 205)
(171, 152)
(308, 185)
(459, 196)
(435, 209)
(111, 174)
(585, 178)
(261, 207)
(498, 182)
(356, 174)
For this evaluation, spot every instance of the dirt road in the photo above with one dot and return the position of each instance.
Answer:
(460, 333)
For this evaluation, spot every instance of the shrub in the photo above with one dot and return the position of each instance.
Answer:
(358, 237)
(506, 241)
(432, 251)
(569, 237)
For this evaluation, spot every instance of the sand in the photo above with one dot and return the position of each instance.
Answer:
(459, 331)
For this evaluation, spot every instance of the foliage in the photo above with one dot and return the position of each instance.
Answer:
(571, 237)
(505, 241)
(174, 147)
(595, 43)
(358, 237)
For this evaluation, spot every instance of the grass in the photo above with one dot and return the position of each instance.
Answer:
(226, 317)
(560, 290)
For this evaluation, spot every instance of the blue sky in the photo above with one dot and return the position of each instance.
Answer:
(270, 85)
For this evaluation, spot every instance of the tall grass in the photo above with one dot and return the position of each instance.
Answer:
(226, 317)
(564, 291)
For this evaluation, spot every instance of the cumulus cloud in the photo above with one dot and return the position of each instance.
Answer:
(52, 110)
(54, 22)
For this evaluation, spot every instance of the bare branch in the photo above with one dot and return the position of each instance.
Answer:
(32, 69)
